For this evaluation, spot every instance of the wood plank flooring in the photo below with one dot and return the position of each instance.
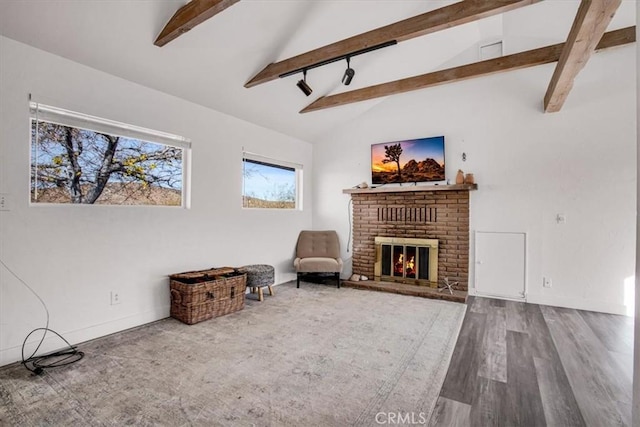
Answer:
(518, 364)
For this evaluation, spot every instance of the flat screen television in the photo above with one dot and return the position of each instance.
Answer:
(413, 160)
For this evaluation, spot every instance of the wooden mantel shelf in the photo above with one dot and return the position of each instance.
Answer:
(411, 188)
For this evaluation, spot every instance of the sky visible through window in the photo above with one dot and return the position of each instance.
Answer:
(269, 186)
(74, 165)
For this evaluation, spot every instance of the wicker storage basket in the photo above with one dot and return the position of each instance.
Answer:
(205, 294)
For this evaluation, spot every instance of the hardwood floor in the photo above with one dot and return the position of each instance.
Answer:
(518, 364)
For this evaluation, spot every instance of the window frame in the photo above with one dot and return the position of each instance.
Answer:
(39, 112)
(276, 163)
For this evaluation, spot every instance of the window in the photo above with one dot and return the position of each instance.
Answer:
(271, 184)
(81, 159)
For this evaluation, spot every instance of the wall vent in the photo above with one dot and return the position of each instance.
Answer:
(405, 214)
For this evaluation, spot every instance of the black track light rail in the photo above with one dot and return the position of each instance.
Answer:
(340, 58)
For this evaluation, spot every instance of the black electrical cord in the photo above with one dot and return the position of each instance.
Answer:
(37, 364)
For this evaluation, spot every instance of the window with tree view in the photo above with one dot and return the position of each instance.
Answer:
(79, 159)
(270, 184)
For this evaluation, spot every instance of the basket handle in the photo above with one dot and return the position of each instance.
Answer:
(233, 291)
(210, 295)
(176, 296)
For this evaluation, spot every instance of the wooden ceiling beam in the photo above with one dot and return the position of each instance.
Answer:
(591, 21)
(529, 58)
(420, 25)
(188, 16)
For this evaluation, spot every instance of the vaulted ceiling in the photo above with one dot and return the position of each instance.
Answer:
(230, 42)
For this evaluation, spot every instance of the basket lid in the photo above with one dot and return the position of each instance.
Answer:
(212, 272)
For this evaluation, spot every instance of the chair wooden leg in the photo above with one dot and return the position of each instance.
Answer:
(260, 296)
(298, 282)
(271, 291)
(338, 279)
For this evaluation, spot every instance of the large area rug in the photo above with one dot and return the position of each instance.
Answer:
(314, 356)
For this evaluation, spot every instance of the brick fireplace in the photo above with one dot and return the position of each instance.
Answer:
(418, 212)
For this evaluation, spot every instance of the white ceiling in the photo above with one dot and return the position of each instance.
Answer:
(210, 64)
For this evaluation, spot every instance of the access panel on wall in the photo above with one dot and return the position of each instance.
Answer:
(500, 268)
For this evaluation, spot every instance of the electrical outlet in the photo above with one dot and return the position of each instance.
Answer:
(546, 282)
(115, 298)
(5, 204)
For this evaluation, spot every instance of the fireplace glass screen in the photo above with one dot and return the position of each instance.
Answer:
(398, 261)
(423, 263)
(406, 260)
(411, 262)
(386, 254)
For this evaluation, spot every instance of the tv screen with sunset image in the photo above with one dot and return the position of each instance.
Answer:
(413, 160)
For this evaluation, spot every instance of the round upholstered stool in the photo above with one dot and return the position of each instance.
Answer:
(259, 276)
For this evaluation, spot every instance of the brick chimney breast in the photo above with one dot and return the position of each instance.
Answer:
(441, 215)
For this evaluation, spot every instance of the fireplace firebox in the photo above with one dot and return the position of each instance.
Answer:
(407, 260)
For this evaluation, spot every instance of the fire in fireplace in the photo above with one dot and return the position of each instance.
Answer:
(413, 261)
(404, 262)
(400, 266)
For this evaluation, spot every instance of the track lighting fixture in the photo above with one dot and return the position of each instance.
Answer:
(302, 84)
(338, 58)
(348, 74)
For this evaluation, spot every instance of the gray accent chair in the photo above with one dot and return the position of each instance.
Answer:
(318, 252)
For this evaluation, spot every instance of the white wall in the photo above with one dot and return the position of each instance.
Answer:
(529, 165)
(635, 409)
(73, 256)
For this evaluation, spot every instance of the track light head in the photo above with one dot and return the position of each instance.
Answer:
(304, 87)
(302, 84)
(348, 74)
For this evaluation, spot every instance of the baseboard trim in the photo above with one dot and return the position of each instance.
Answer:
(475, 293)
(14, 354)
(51, 343)
(578, 304)
(555, 301)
